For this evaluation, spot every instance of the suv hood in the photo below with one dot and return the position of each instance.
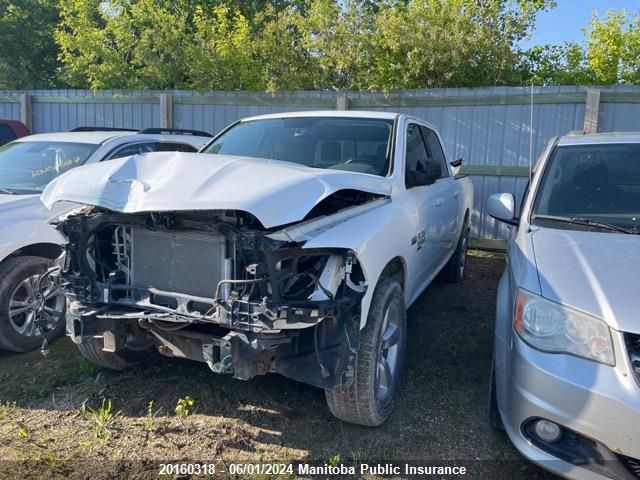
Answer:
(596, 272)
(19, 206)
(275, 192)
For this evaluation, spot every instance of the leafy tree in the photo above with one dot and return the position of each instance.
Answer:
(220, 56)
(613, 48)
(123, 44)
(202, 44)
(280, 56)
(28, 57)
(434, 43)
(390, 45)
(610, 54)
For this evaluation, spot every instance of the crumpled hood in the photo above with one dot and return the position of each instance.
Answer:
(275, 192)
(596, 272)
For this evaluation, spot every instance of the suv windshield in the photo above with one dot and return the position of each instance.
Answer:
(598, 183)
(354, 144)
(27, 167)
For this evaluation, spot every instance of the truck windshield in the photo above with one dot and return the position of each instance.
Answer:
(598, 183)
(27, 167)
(354, 144)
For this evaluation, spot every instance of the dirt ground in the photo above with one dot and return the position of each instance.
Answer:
(51, 423)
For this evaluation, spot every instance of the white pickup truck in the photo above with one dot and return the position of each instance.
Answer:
(293, 245)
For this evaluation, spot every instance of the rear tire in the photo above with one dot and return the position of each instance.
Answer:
(370, 399)
(453, 271)
(20, 302)
(91, 350)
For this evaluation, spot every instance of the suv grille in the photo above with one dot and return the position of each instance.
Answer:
(633, 349)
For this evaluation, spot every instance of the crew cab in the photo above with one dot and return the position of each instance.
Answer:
(31, 307)
(293, 243)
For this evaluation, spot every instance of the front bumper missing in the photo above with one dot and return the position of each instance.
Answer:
(322, 355)
(277, 307)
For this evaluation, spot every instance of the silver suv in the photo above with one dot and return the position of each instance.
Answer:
(565, 382)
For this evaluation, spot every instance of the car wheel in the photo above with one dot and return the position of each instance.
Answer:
(495, 421)
(24, 309)
(453, 271)
(137, 350)
(371, 397)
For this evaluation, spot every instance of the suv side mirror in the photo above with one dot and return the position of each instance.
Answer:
(420, 178)
(502, 206)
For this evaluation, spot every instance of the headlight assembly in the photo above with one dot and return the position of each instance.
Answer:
(555, 328)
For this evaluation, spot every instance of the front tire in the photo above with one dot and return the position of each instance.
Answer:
(91, 349)
(370, 399)
(23, 308)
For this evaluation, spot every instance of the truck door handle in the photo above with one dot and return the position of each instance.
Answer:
(456, 194)
(438, 202)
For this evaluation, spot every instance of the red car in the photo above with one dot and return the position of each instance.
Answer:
(10, 130)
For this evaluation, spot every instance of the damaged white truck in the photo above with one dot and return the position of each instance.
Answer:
(293, 244)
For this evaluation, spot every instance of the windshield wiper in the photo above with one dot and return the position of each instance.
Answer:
(7, 191)
(583, 221)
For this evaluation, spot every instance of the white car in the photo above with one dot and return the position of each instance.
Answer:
(28, 243)
(295, 248)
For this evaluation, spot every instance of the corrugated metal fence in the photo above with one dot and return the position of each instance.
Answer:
(490, 127)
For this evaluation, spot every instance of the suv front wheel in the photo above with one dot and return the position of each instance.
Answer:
(26, 306)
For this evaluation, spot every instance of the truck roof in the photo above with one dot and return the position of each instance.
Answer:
(328, 113)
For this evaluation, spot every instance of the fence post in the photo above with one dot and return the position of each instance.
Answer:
(342, 101)
(591, 110)
(26, 111)
(166, 110)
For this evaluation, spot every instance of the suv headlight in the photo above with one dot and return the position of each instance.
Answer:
(556, 328)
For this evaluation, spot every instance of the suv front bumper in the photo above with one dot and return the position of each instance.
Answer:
(592, 401)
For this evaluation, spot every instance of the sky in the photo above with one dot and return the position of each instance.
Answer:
(566, 21)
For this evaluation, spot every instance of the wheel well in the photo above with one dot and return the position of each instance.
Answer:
(396, 268)
(46, 250)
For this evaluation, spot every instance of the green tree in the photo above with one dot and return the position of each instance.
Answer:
(609, 54)
(613, 48)
(122, 44)
(390, 44)
(220, 55)
(280, 56)
(321, 44)
(450, 43)
(28, 57)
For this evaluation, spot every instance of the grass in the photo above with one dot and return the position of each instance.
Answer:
(140, 414)
(103, 420)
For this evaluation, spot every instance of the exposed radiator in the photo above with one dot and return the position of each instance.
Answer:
(188, 263)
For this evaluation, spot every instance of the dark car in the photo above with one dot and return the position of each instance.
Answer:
(11, 129)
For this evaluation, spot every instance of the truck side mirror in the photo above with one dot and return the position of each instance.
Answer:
(420, 178)
(502, 206)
